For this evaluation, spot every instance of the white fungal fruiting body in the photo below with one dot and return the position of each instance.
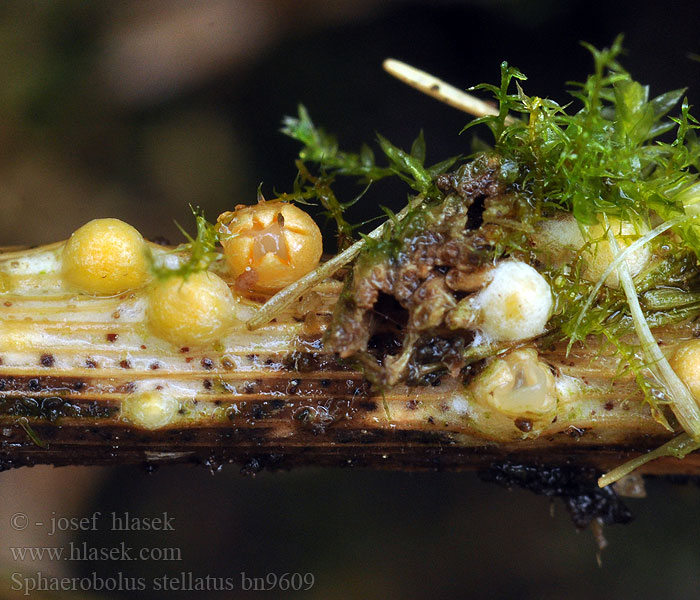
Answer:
(105, 257)
(564, 233)
(151, 410)
(516, 304)
(518, 385)
(560, 239)
(194, 310)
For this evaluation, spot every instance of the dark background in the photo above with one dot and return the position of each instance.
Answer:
(135, 110)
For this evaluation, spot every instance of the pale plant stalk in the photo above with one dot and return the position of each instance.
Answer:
(441, 90)
(679, 447)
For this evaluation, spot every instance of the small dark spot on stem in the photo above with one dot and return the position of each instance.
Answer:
(525, 425)
(125, 364)
(47, 360)
(112, 337)
(367, 405)
(207, 363)
(90, 363)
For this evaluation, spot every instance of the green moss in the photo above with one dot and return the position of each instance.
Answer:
(322, 149)
(201, 251)
(601, 153)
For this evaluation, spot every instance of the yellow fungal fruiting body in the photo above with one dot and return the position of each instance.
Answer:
(269, 245)
(686, 364)
(151, 410)
(518, 385)
(599, 254)
(106, 257)
(194, 310)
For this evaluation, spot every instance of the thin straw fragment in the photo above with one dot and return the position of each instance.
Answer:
(441, 90)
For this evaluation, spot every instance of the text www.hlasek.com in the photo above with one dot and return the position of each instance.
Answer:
(182, 582)
(82, 552)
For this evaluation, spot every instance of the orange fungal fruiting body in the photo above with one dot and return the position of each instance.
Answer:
(269, 245)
